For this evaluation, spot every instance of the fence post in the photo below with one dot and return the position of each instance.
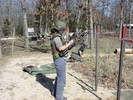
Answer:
(124, 30)
(13, 41)
(96, 64)
(121, 61)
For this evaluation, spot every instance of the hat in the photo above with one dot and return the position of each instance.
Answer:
(60, 25)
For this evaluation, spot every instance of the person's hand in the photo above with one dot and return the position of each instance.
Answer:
(71, 42)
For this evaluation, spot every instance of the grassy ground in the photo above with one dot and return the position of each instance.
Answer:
(108, 63)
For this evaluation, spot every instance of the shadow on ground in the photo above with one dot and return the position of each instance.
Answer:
(45, 81)
(85, 86)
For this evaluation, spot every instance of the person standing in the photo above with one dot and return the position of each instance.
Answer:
(58, 44)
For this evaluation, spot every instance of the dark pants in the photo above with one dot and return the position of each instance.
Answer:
(60, 81)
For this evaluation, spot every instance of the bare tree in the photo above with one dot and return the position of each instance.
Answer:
(130, 16)
(1, 17)
(25, 26)
(78, 19)
(13, 41)
(91, 26)
(1, 25)
(10, 15)
(80, 9)
(0, 45)
(121, 18)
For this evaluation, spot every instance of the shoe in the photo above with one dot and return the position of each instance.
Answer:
(53, 93)
(64, 98)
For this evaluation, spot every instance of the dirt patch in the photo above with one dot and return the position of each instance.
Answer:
(18, 85)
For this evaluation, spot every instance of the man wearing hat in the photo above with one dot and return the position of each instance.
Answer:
(58, 44)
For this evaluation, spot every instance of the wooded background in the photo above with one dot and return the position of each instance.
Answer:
(80, 15)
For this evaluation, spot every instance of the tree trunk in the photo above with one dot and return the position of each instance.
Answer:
(0, 45)
(1, 32)
(40, 27)
(13, 41)
(67, 5)
(77, 29)
(46, 26)
(10, 16)
(91, 27)
(130, 17)
(121, 19)
(87, 26)
(25, 26)
(94, 22)
(52, 18)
